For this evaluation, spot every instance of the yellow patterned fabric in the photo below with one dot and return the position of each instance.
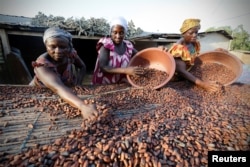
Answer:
(189, 23)
(184, 52)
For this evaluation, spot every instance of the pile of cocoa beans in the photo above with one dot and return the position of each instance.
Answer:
(185, 123)
(213, 72)
(151, 78)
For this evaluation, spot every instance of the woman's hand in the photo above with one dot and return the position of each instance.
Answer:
(134, 71)
(89, 111)
(163, 48)
(222, 50)
(210, 86)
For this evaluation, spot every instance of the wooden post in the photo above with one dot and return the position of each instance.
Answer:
(5, 43)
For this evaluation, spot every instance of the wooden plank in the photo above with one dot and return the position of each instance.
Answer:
(25, 33)
(18, 135)
(157, 40)
(40, 34)
(5, 42)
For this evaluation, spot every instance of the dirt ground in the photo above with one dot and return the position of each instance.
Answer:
(173, 126)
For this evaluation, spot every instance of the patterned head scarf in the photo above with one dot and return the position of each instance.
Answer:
(57, 32)
(189, 23)
(119, 21)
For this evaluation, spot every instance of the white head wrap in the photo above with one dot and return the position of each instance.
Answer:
(57, 32)
(119, 21)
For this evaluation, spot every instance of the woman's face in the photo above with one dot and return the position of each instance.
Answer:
(58, 48)
(117, 34)
(191, 35)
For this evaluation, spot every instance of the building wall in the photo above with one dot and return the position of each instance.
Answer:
(212, 41)
(86, 49)
(140, 45)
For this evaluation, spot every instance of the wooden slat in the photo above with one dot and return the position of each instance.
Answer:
(5, 42)
(17, 135)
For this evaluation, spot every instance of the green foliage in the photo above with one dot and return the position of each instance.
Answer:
(132, 31)
(82, 26)
(241, 38)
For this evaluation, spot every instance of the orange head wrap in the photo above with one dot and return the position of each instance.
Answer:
(189, 23)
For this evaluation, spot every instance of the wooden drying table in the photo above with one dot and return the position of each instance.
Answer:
(30, 126)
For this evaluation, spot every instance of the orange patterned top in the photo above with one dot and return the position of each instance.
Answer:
(187, 53)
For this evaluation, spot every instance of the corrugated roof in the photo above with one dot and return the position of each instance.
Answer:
(152, 35)
(20, 23)
(24, 24)
(223, 32)
(18, 20)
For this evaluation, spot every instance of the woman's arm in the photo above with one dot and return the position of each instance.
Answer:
(104, 65)
(53, 82)
(181, 69)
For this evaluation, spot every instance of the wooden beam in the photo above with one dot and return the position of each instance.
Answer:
(5, 42)
(40, 34)
(37, 34)
(157, 40)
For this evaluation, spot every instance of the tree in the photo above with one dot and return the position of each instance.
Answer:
(132, 31)
(89, 27)
(241, 39)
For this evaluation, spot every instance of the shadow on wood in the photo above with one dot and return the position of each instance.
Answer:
(18, 72)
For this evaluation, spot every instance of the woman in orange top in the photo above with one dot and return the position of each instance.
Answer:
(186, 50)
